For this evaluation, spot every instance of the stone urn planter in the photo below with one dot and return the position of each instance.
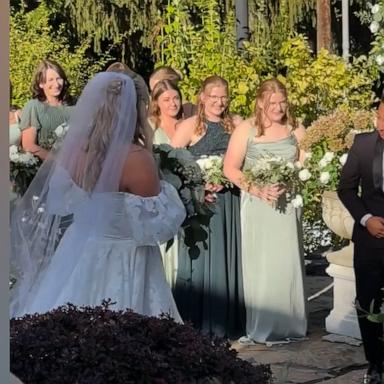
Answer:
(343, 319)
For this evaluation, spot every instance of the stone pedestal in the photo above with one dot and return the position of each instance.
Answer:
(343, 318)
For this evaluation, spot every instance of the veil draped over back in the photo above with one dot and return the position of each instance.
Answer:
(88, 164)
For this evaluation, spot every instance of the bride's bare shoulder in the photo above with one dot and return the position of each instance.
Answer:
(140, 174)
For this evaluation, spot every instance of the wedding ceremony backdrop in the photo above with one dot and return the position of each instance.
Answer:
(302, 42)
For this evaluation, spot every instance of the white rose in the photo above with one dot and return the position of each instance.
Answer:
(328, 156)
(297, 202)
(13, 149)
(324, 177)
(201, 163)
(375, 9)
(15, 157)
(59, 131)
(374, 27)
(298, 165)
(290, 165)
(40, 210)
(35, 198)
(380, 60)
(209, 163)
(304, 174)
(343, 158)
(308, 155)
(323, 163)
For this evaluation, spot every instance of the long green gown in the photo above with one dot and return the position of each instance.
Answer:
(209, 288)
(272, 257)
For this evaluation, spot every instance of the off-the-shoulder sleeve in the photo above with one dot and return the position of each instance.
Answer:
(29, 115)
(155, 220)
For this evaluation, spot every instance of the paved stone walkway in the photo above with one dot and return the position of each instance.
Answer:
(313, 360)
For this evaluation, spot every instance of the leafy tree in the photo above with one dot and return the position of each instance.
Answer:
(32, 38)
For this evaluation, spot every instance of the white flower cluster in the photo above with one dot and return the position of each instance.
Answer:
(61, 130)
(376, 27)
(25, 158)
(324, 176)
(212, 169)
(208, 162)
(274, 169)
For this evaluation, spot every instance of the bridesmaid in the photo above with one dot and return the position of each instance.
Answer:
(165, 111)
(209, 289)
(168, 73)
(272, 251)
(49, 108)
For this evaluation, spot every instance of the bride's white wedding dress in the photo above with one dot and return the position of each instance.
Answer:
(119, 259)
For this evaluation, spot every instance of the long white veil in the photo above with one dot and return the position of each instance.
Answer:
(89, 162)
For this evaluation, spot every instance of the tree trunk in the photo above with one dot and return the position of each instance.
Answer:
(323, 24)
(242, 28)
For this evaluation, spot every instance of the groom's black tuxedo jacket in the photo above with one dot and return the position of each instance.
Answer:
(364, 167)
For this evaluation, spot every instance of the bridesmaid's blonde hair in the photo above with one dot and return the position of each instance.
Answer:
(264, 93)
(226, 119)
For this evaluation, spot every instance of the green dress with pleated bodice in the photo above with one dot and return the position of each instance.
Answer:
(272, 256)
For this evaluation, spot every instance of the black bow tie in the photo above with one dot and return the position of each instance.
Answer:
(378, 164)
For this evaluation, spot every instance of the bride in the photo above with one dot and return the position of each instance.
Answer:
(108, 181)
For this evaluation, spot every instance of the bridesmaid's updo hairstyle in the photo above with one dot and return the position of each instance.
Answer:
(264, 93)
(154, 110)
(226, 119)
(40, 76)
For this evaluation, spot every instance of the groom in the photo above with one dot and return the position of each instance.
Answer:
(364, 169)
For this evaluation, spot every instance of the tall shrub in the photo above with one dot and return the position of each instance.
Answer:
(32, 38)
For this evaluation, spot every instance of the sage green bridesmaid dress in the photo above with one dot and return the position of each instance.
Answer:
(169, 253)
(272, 257)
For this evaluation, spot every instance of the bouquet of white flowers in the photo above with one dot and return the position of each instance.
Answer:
(23, 168)
(270, 170)
(212, 169)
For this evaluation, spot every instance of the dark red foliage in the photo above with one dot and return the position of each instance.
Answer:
(97, 345)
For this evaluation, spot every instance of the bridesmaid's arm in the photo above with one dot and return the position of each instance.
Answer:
(28, 143)
(237, 120)
(235, 154)
(184, 133)
(233, 162)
